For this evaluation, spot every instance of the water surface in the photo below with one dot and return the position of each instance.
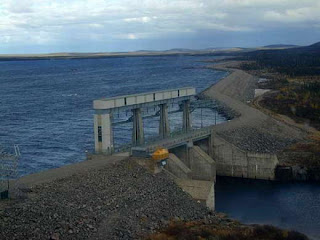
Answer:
(46, 106)
(287, 205)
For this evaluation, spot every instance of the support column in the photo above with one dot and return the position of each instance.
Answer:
(186, 122)
(137, 131)
(164, 127)
(103, 136)
(211, 145)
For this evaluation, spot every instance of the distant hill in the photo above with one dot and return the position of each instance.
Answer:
(180, 50)
(280, 46)
(314, 48)
(316, 45)
(297, 61)
(261, 52)
(311, 49)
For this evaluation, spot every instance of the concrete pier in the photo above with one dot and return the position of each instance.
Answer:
(137, 131)
(186, 121)
(103, 133)
(164, 127)
(104, 108)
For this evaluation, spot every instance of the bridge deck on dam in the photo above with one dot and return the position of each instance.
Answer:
(175, 140)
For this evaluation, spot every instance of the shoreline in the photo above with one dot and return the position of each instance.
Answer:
(231, 101)
(113, 186)
(234, 92)
(235, 109)
(69, 56)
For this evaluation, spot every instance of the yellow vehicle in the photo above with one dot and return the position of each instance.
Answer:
(160, 154)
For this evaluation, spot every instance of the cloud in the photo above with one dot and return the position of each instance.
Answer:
(300, 15)
(132, 36)
(63, 22)
(144, 19)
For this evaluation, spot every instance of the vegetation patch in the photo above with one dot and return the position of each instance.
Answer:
(300, 101)
(235, 231)
(296, 95)
(294, 76)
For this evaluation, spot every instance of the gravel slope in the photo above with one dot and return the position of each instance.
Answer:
(119, 201)
(252, 130)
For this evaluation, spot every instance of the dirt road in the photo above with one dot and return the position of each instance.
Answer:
(253, 130)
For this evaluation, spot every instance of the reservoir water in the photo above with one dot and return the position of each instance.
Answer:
(46, 108)
(287, 205)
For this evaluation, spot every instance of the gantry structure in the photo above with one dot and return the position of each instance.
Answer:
(105, 108)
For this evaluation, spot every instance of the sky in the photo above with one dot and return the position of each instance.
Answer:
(46, 26)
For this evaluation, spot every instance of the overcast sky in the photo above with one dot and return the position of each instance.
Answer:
(35, 26)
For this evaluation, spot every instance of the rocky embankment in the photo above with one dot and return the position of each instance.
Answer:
(251, 130)
(253, 140)
(255, 131)
(121, 200)
(118, 201)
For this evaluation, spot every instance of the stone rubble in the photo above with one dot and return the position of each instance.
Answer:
(120, 201)
(255, 140)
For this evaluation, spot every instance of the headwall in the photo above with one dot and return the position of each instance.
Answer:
(234, 162)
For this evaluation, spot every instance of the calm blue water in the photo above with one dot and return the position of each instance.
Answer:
(46, 106)
(287, 205)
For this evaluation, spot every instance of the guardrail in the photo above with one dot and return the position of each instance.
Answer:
(174, 139)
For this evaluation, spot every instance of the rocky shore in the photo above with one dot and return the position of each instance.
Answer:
(256, 130)
(119, 201)
(250, 130)
(253, 140)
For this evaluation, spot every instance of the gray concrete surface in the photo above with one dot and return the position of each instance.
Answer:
(233, 162)
(199, 190)
(177, 167)
(203, 167)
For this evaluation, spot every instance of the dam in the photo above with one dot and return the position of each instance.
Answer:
(195, 154)
(229, 160)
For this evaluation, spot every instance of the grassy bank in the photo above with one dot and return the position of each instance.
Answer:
(234, 231)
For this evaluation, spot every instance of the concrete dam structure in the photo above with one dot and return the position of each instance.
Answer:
(196, 155)
(104, 109)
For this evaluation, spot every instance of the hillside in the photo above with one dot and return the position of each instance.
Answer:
(299, 61)
(280, 46)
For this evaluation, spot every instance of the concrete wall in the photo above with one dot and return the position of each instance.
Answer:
(202, 166)
(234, 162)
(204, 145)
(199, 190)
(182, 153)
(177, 167)
(194, 171)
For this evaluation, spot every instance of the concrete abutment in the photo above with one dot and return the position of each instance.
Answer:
(234, 162)
(194, 171)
